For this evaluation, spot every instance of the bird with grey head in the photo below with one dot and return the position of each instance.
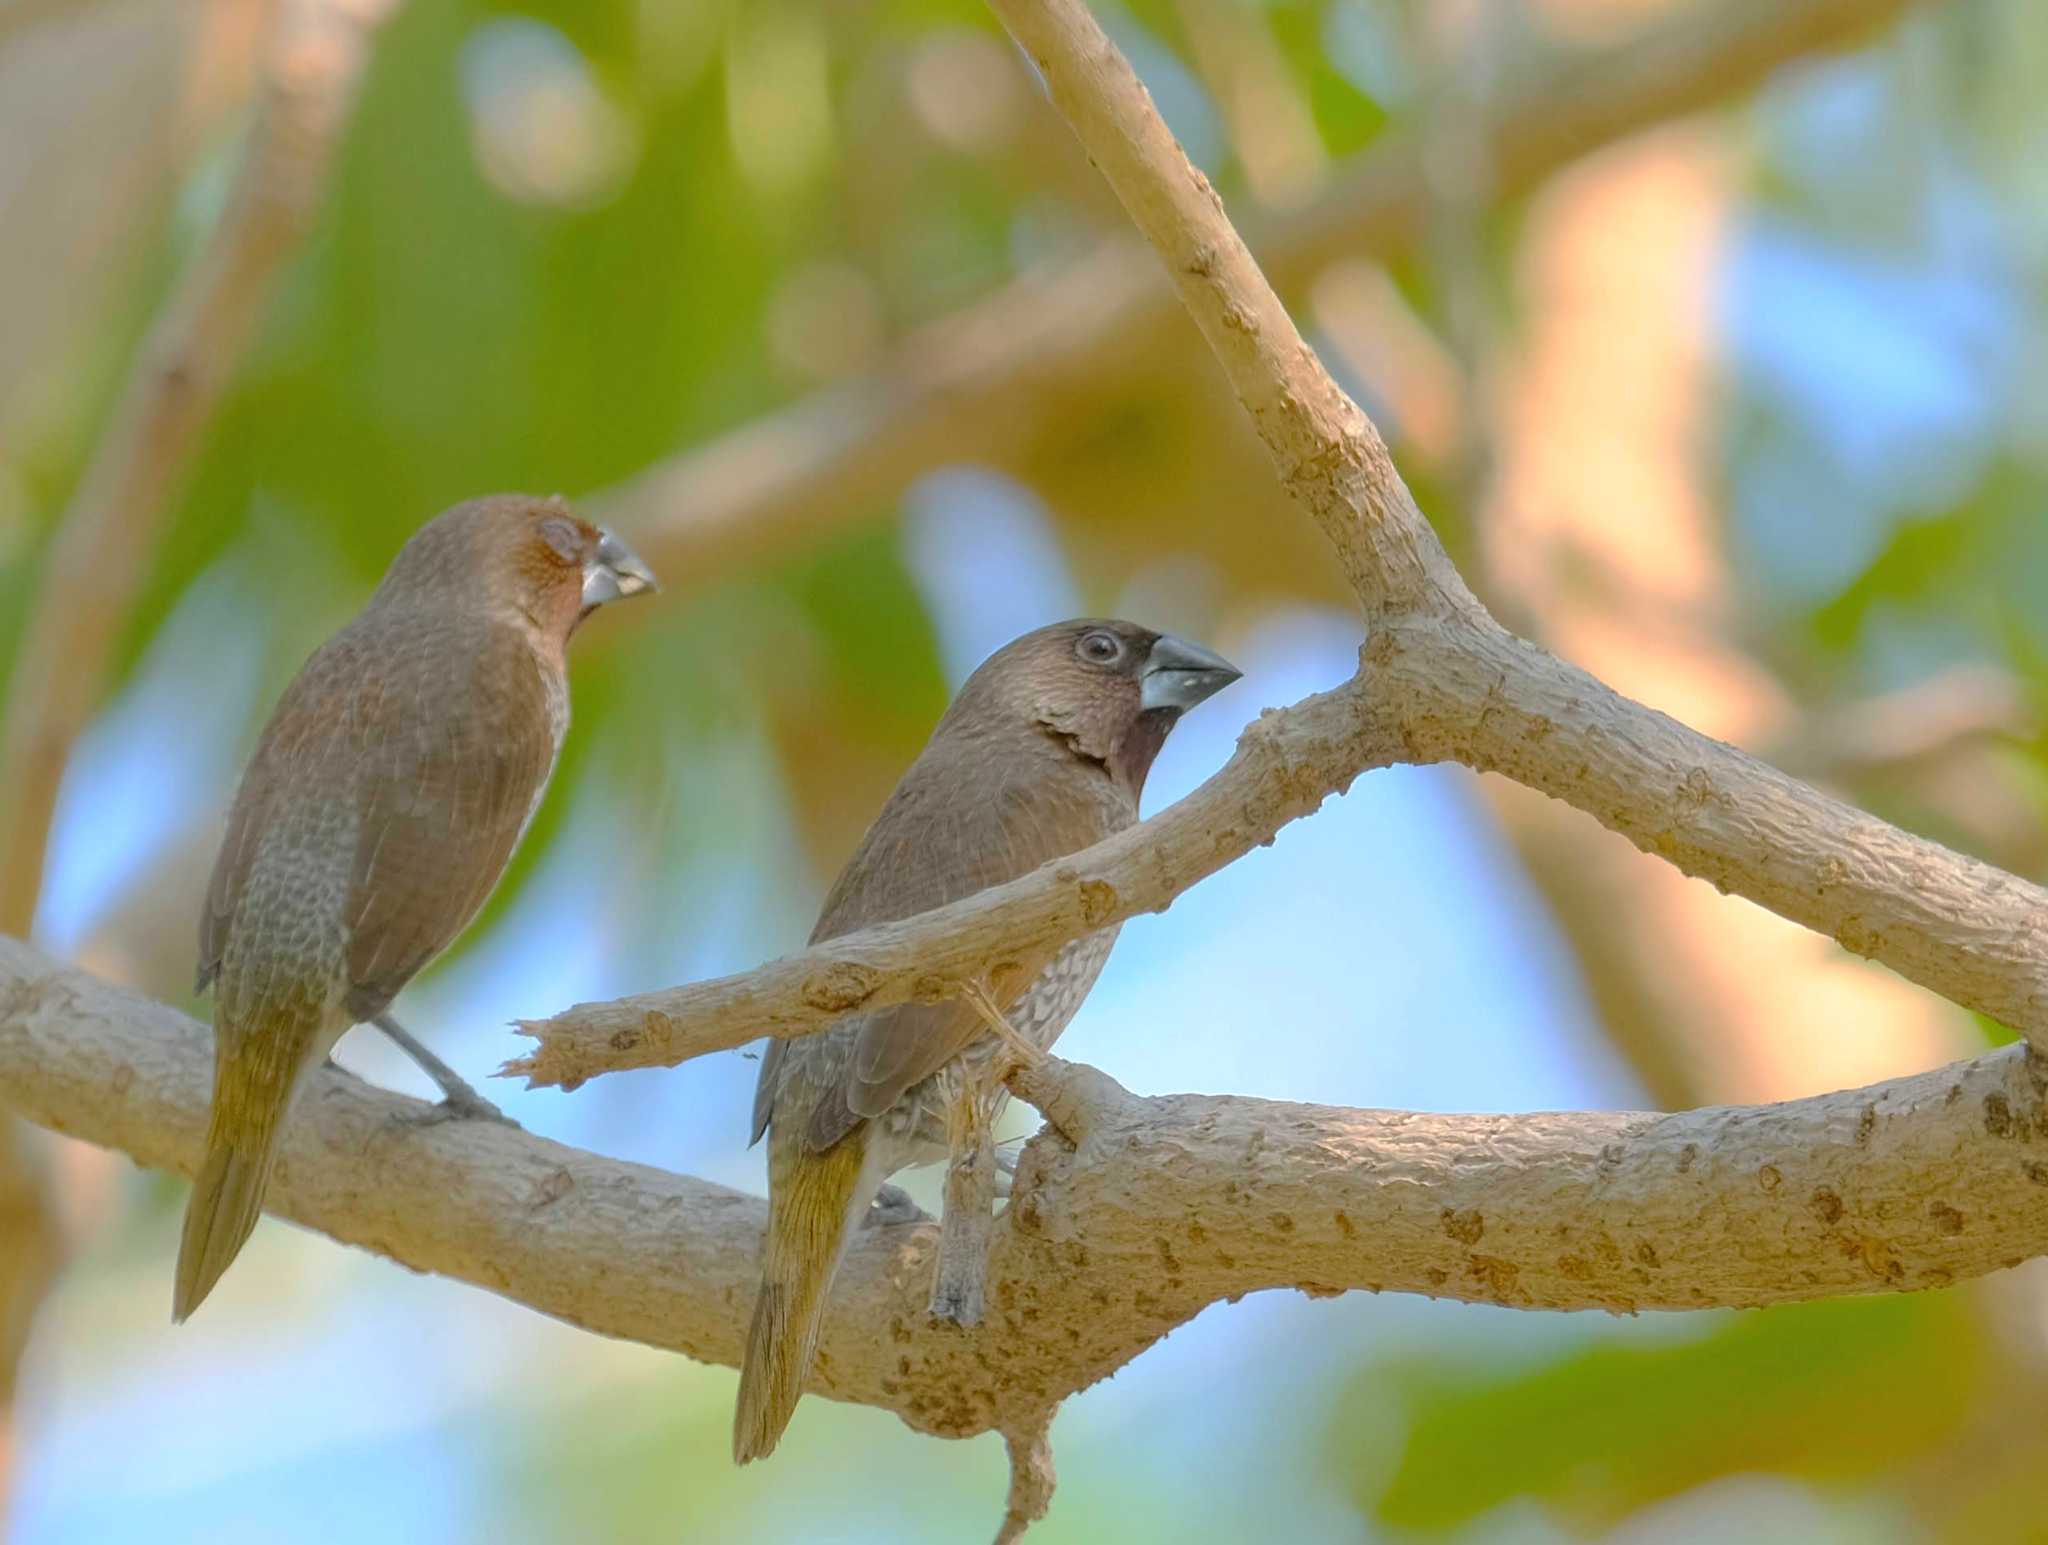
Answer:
(382, 802)
(1043, 752)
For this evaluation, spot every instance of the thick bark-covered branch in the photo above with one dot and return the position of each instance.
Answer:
(106, 537)
(978, 384)
(1163, 1206)
(1962, 928)
(1439, 680)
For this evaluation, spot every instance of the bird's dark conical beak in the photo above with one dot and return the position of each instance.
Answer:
(1179, 674)
(616, 571)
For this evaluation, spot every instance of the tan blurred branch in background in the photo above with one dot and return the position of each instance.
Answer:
(1248, 78)
(1603, 537)
(1950, 711)
(104, 541)
(106, 537)
(20, 15)
(979, 384)
(1160, 1207)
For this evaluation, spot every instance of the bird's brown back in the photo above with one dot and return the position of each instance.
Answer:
(380, 807)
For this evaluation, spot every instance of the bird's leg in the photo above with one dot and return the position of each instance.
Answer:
(1023, 1053)
(893, 1206)
(969, 1218)
(1021, 1050)
(459, 1102)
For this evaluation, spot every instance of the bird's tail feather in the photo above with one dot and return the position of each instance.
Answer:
(810, 1209)
(250, 1093)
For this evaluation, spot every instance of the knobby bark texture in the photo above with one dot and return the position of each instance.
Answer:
(1131, 1215)
(977, 384)
(107, 536)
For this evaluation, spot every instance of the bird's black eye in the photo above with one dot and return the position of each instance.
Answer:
(1099, 647)
(563, 537)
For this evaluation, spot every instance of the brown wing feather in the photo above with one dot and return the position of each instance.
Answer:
(246, 820)
(443, 806)
(301, 756)
(435, 736)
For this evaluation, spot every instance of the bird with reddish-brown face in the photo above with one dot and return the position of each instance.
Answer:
(1043, 752)
(382, 802)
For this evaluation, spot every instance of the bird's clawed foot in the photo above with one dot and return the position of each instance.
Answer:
(894, 1207)
(459, 1102)
(466, 1106)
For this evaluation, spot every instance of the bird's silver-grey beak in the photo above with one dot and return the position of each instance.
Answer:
(614, 572)
(1179, 674)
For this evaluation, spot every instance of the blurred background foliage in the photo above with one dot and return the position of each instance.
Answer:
(1743, 411)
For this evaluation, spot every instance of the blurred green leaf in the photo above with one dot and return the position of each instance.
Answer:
(1834, 1392)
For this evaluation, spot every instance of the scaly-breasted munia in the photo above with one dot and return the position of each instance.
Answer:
(386, 794)
(1043, 752)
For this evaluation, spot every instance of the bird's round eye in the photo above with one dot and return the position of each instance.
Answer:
(563, 537)
(1099, 648)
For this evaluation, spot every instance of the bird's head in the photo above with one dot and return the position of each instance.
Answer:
(1110, 690)
(531, 556)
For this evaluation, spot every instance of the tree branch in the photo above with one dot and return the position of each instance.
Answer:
(1439, 680)
(1284, 767)
(1159, 1207)
(981, 383)
(107, 536)
(1467, 690)
(1165, 1206)
(1428, 689)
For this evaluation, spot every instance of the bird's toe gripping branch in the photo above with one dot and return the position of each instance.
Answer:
(894, 1207)
(459, 1100)
(455, 1108)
